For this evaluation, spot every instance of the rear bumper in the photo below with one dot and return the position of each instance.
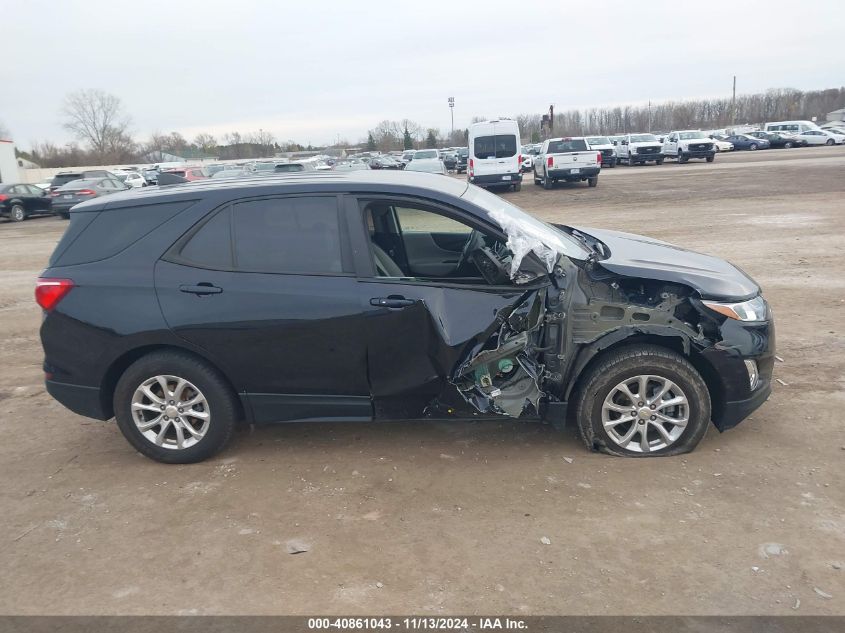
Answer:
(496, 179)
(79, 399)
(566, 174)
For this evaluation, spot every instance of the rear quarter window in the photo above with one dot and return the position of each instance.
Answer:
(99, 235)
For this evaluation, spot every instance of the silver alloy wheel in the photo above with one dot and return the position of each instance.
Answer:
(652, 409)
(18, 214)
(170, 412)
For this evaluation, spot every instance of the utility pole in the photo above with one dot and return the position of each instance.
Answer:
(452, 112)
(649, 115)
(733, 104)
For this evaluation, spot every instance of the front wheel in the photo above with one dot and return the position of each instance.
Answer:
(829, 141)
(659, 161)
(17, 213)
(753, 147)
(710, 159)
(174, 408)
(643, 401)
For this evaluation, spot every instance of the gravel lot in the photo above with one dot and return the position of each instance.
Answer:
(448, 518)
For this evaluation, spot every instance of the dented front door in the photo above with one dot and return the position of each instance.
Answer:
(431, 349)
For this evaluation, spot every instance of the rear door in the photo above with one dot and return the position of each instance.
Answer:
(265, 286)
(495, 149)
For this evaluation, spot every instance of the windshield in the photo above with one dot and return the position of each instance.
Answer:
(598, 140)
(517, 223)
(643, 138)
(686, 136)
(426, 153)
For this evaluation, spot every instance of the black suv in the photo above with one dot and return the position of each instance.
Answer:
(377, 295)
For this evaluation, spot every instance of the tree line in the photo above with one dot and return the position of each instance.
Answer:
(101, 127)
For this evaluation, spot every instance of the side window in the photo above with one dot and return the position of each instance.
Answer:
(211, 245)
(289, 235)
(105, 184)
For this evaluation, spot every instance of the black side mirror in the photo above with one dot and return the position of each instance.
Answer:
(624, 142)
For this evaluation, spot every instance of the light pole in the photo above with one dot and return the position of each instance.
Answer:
(452, 112)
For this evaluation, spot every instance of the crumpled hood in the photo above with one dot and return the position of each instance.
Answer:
(640, 256)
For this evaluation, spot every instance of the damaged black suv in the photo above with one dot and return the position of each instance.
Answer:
(182, 309)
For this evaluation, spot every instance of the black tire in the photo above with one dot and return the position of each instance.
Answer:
(788, 144)
(753, 147)
(659, 161)
(65, 215)
(612, 164)
(222, 405)
(631, 161)
(830, 141)
(681, 158)
(17, 213)
(592, 182)
(517, 187)
(548, 183)
(537, 181)
(631, 361)
(710, 159)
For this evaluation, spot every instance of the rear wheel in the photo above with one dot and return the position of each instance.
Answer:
(517, 187)
(548, 183)
(659, 161)
(65, 215)
(17, 213)
(592, 182)
(788, 144)
(174, 408)
(537, 181)
(643, 401)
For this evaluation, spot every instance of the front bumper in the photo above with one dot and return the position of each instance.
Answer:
(640, 158)
(496, 179)
(567, 174)
(697, 153)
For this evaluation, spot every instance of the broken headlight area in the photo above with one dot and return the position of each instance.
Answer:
(504, 376)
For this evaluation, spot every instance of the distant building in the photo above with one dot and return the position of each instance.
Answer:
(835, 119)
(9, 170)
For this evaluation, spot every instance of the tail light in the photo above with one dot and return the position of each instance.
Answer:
(86, 192)
(3, 197)
(598, 157)
(550, 161)
(48, 292)
(519, 160)
(471, 167)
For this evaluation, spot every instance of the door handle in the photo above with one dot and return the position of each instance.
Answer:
(200, 289)
(391, 302)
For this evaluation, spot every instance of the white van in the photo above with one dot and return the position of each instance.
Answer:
(495, 156)
(796, 127)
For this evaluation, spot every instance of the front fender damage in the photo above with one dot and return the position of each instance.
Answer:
(503, 376)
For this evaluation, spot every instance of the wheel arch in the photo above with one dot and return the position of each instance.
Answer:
(122, 363)
(666, 338)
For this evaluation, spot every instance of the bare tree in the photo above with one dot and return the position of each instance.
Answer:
(96, 118)
(206, 142)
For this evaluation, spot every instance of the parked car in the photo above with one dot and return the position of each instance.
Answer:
(462, 156)
(606, 147)
(350, 165)
(151, 176)
(64, 177)
(745, 141)
(232, 173)
(188, 173)
(76, 191)
(822, 137)
(780, 139)
(494, 156)
(721, 146)
(20, 201)
(385, 162)
(428, 161)
(569, 159)
(293, 166)
(639, 149)
(134, 179)
(527, 162)
(450, 160)
(385, 296)
(796, 127)
(686, 144)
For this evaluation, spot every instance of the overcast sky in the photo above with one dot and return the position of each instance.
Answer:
(315, 70)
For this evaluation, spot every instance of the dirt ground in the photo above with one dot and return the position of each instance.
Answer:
(448, 518)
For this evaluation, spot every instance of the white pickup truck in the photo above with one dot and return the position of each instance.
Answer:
(638, 149)
(686, 144)
(569, 159)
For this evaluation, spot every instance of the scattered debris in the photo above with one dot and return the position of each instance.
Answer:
(546, 540)
(447, 456)
(785, 384)
(767, 550)
(797, 603)
(822, 594)
(778, 358)
(755, 569)
(296, 546)
(836, 565)
(379, 585)
(568, 460)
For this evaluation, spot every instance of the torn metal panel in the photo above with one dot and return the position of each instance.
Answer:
(505, 377)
